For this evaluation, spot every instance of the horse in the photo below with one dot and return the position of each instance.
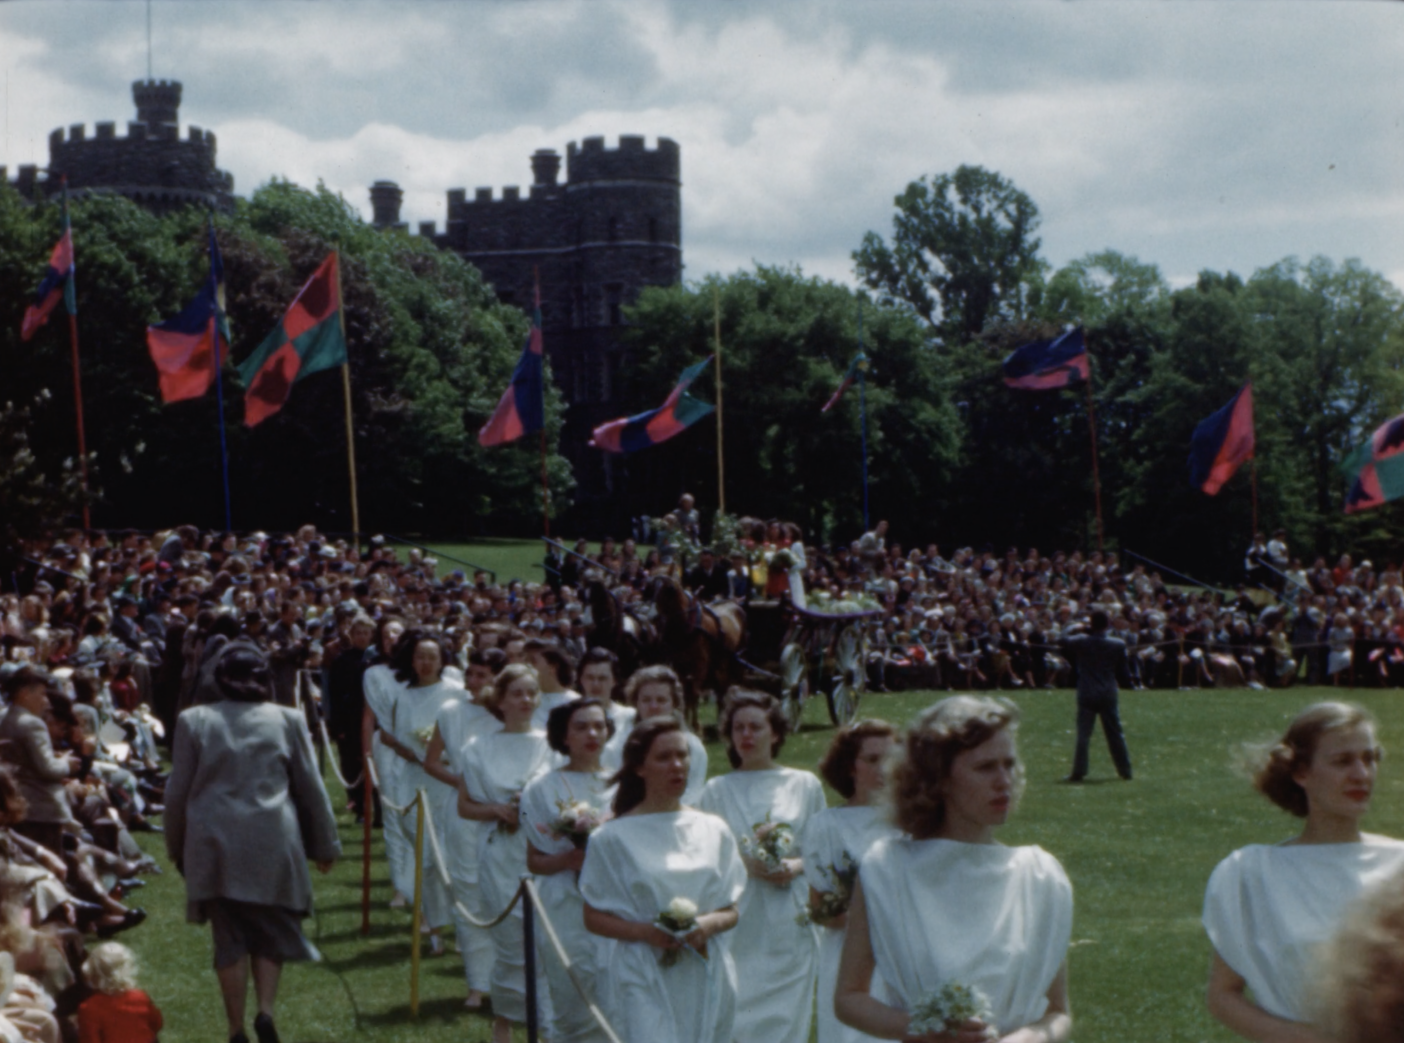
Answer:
(700, 642)
(620, 631)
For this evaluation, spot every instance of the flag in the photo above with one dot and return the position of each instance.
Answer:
(57, 281)
(1222, 442)
(309, 339)
(1044, 365)
(187, 349)
(1376, 469)
(522, 408)
(677, 414)
(858, 365)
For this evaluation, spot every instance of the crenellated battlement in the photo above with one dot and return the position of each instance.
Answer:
(136, 131)
(591, 160)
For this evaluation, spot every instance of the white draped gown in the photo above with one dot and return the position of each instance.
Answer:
(382, 690)
(993, 917)
(634, 867)
(458, 722)
(542, 803)
(1270, 908)
(833, 838)
(416, 712)
(623, 718)
(775, 955)
(496, 767)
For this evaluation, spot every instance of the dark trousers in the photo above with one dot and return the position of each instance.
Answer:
(1088, 712)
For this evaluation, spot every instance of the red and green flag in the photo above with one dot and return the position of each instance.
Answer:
(1376, 469)
(679, 412)
(57, 284)
(856, 368)
(311, 338)
(189, 348)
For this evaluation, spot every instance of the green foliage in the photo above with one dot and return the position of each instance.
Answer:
(430, 352)
(787, 341)
(32, 498)
(963, 252)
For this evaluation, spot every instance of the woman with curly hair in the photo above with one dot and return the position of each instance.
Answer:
(1269, 907)
(834, 844)
(768, 807)
(947, 904)
(657, 691)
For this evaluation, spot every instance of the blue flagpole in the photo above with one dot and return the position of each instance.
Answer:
(863, 410)
(219, 389)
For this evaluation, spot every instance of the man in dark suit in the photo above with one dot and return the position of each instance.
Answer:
(707, 579)
(1100, 660)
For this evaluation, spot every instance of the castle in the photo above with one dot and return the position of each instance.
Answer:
(613, 227)
(151, 166)
(596, 239)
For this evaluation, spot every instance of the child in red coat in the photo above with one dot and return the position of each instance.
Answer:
(117, 1012)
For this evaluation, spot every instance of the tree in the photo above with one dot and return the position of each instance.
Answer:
(787, 341)
(33, 499)
(963, 252)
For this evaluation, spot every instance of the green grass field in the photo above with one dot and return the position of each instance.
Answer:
(510, 559)
(1138, 854)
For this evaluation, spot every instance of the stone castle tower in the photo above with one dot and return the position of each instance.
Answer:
(611, 228)
(152, 165)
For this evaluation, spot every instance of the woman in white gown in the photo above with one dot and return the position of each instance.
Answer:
(948, 905)
(598, 679)
(555, 670)
(377, 737)
(578, 730)
(420, 658)
(496, 767)
(660, 988)
(1270, 908)
(775, 953)
(656, 691)
(835, 842)
(457, 723)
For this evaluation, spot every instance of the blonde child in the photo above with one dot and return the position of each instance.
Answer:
(118, 1011)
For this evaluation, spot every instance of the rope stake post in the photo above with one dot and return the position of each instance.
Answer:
(367, 813)
(529, 945)
(418, 915)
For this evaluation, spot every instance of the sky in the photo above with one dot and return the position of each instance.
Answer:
(1192, 134)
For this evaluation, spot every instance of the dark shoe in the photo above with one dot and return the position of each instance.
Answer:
(1126, 777)
(1074, 778)
(263, 1028)
(133, 917)
(131, 884)
(238, 1037)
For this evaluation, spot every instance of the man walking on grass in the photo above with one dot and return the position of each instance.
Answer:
(1100, 660)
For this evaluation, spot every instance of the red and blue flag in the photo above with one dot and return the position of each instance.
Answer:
(1376, 469)
(677, 414)
(522, 408)
(1222, 442)
(188, 349)
(57, 282)
(1045, 365)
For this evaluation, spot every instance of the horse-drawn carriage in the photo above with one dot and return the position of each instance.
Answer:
(810, 652)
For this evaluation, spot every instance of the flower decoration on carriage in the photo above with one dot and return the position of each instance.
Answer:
(678, 919)
(949, 1007)
(770, 843)
(575, 821)
(834, 903)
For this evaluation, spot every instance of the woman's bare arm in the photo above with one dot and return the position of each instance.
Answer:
(1227, 1002)
(434, 761)
(1056, 1024)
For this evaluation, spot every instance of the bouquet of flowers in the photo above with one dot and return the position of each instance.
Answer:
(678, 919)
(833, 903)
(424, 736)
(576, 821)
(949, 1007)
(516, 802)
(770, 843)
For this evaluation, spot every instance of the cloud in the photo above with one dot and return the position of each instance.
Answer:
(1193, 135)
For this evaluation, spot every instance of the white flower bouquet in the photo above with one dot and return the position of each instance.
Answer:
(679, 919)
(949, 1007)
(833, 903)
(770, 843)
(576, 821)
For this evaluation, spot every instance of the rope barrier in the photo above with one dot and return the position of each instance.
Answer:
(336, 770)
(555, 940)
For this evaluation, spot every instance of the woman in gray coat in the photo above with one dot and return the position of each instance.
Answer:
(245, 810)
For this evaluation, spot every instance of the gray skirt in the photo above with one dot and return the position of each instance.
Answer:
(243, 929)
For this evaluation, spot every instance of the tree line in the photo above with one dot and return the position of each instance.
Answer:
(954, 457)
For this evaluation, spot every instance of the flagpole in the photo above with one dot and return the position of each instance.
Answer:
(346, 394)
(218, 383)
(863, 410)
(72, 308)
(721, 454)
(545, 473)
(1096, 472)
(1253, 477)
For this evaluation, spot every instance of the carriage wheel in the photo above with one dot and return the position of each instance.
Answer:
(795, 681)
(851, 678)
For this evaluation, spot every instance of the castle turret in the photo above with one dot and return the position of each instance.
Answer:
(386, 197)
(157, 101)
(545, 166)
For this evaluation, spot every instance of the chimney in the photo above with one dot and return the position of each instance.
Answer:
(545, 166)
(385, 202)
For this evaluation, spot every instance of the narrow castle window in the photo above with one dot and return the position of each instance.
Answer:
(613, 229)
(653, 229)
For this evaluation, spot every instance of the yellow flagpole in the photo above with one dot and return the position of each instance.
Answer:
(350, 428)
(721, 455)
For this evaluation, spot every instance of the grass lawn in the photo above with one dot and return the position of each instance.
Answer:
(510, 559)
(1139, 855)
